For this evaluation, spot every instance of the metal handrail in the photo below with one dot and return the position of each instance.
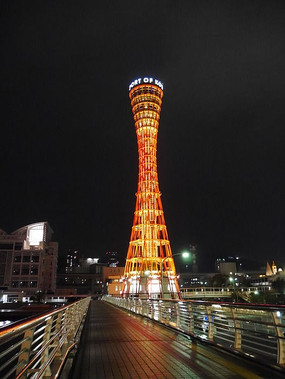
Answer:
(252, 330)
(38, 347)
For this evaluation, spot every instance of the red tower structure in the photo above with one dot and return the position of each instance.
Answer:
(149, 270)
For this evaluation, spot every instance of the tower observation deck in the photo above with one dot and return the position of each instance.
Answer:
(149, 270)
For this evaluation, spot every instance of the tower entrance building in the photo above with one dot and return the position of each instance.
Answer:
(149, 270)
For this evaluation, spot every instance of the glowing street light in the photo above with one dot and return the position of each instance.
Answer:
(185, 254)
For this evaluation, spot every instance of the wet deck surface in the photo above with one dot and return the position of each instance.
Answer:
(116, 344)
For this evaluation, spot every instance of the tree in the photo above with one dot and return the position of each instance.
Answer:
(279, 286)
(264, 297)
(37, 297)
(218, 280)
(244, 282)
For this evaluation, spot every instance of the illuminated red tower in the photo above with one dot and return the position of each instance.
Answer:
(149, 269)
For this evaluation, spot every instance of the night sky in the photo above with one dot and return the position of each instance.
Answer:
(68, 145)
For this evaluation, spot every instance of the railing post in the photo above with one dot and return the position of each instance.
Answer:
(148, 307)
(210, 323)
(177, 314)
(57, 328)
(191, 319)
(77, 317)
(65, 326)
(139, 307)
(162, 311)
(46, 338)
(70, 322)
(152, 308)
(237, 344)
(280, 339)
(25, 350)
(159, 316)
(143, 307)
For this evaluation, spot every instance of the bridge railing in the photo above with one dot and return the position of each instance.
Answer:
(252, 330)
(38, 347)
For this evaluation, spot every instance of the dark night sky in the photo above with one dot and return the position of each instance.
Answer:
(68, 146)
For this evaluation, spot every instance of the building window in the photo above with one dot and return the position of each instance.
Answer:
(17, 258)
(16, 270)
(34, 270)
(24, 284)
(26, 258)
(25, 270)
(6, 246)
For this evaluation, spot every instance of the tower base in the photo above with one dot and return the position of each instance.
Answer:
(150, 288)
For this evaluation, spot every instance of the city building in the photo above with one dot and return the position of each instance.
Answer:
(28, 259)
(112, 258)
(271, 270)
(83, 277)
(228, 265)
(72, 260)
(265, 280)
(191, 279)
(112, 279)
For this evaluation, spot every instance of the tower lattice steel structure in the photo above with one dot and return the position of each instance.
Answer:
(149, 269)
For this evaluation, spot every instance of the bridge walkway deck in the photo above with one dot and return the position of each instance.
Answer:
(116, 344)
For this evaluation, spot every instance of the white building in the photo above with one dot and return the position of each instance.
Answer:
(28, 259)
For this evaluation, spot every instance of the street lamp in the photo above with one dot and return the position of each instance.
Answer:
(185, 254)
(231, 280)
(234, 290)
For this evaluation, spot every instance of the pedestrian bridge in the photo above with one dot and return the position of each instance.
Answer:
(135, 338)
(217, 292)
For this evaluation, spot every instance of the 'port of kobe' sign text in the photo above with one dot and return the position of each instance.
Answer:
(146, 81)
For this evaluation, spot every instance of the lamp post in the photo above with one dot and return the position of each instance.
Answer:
(185, 254)
(234, 292)
(231, 280)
